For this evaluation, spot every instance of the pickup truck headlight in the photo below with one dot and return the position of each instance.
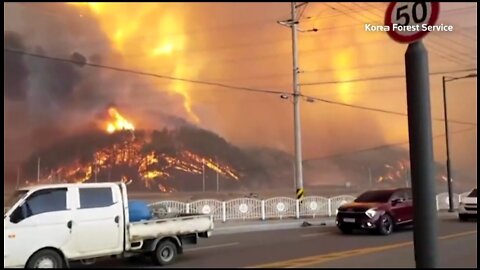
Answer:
(371, 212)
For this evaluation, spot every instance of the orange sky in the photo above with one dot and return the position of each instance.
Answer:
(241, 44)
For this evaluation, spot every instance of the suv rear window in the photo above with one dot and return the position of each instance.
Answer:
(473, 193)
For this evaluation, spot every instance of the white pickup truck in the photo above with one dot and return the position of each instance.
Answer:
(49, 226)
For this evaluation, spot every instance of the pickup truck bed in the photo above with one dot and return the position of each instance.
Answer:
(179, 225)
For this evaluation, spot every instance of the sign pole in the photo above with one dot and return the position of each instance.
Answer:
(409, 16)
(421, 156)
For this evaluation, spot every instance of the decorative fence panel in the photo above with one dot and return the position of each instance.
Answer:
(243, 208)
(280, 207)
(314, 206)
(169, 207)
(277, 207)
(209, 207)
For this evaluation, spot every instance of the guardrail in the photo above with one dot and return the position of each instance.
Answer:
(274, 208)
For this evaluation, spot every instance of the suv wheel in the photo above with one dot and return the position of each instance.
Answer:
(386, 225)
(462, 217)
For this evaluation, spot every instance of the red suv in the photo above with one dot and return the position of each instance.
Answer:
(380, 210)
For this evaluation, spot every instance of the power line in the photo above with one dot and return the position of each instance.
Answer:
(243, 45)
(337, 13)
(265, 91)
(460, 31)
(144, 73)
(449, 52)
(254, 44)
(360, 14)
(382, 146)
(347, 14)
(469, 8)
(384, 77)
(381, 110)
(441, 55)
(462, 45)
(313, 71)
(215, 28)
(284, 76)
(368, 66)
(303, 10)
(369, 91)
(206, 50)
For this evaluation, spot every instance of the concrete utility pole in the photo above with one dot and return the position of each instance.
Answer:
(296, 106)
(449, 172)
(292, 23)
(449, 176)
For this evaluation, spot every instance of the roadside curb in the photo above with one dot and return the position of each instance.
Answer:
(272, 225)
(269, 226)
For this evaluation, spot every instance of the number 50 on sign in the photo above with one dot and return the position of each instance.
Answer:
(410, 21)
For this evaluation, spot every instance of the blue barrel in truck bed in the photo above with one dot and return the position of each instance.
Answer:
(139, 210)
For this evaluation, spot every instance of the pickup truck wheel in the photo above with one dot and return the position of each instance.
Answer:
(46, 258)
(165, 253)
(386, 225)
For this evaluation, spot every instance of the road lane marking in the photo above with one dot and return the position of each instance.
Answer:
(317, 259)
(214, 246)
(315, 234)
(457, 235)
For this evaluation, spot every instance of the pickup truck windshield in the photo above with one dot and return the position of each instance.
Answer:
(13, 199)
(473, 193)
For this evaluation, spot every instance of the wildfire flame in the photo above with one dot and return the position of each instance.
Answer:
(398, 172)
(128, 38)
(118, 122)
(150, 168)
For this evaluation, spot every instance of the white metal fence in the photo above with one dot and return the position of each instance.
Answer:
(274, 208)
(244, 208)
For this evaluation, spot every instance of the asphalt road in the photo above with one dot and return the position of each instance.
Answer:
(321, 247)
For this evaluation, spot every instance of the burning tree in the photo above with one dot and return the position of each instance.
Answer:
(397, 172)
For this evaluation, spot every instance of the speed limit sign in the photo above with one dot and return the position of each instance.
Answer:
(408, 22)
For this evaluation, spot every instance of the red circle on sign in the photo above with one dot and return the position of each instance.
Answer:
(411, 38)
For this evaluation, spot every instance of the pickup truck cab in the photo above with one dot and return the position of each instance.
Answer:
(49, 226)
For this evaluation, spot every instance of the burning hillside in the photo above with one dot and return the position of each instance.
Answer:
(379, 168)
(159, 160)
(180, 159)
